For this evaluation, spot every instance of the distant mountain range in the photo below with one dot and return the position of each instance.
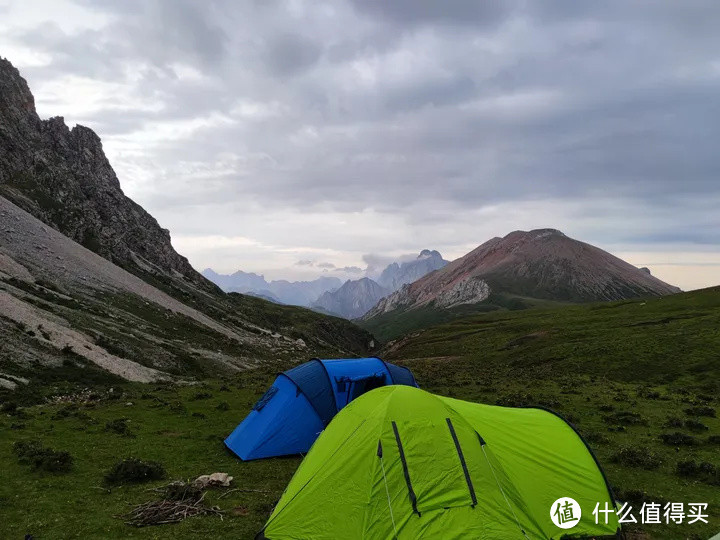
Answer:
(324, 293)
(295, 293)
(517, 271)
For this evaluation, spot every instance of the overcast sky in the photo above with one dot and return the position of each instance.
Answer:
(295, 138)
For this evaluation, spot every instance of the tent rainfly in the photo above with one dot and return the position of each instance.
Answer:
(402, 463)
(301, 402)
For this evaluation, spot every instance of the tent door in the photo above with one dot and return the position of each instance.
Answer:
(436, 464)
(362, 386)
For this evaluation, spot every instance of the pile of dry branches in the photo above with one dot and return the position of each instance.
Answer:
(180, 501)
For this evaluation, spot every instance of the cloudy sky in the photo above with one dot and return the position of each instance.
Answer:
(295, 138)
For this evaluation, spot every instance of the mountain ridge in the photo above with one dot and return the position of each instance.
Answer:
(62, 177)
(542, 264)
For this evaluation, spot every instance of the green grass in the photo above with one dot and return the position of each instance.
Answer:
(624, 373)
(599, 365)
(163, 428)
(393, 324)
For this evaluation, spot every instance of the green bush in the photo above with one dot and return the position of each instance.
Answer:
(223, 406)
(694, 425)
(703, 471)
(625, 418)
(33, 453)
(636, 456)
(119, 426)
(597, 438)
(678, 439)
(133, 471)
(701, 411)
(674, 422)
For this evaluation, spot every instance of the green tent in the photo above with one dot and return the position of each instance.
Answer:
(399, 462)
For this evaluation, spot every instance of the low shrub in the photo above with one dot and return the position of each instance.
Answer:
(674, 422)
(694, 425)
(596, 438)
(713, 439)
(71, 411)
(9, 407)
(133, 471)
(701, 411)
(636, 456)
(637, 497)
(34, 454)
(223, 406)
(625, 418)
(119, 426)
(201, 395)
(678, 439)
(703, 471)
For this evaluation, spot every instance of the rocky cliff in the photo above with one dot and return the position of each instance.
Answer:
(62, 177)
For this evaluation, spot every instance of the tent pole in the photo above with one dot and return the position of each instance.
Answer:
(502, 491)
(387, 491)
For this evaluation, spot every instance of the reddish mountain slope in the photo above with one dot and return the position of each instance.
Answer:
(542, 263)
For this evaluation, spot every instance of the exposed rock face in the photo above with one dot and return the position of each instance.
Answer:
(396, 275)
(542, 263)
(62, 177)
(123, 304)
(353, 299)
(60, 303)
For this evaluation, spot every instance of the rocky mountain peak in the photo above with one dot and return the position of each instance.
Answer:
(396, 275)
(62, 177)
(14, 90)
(427, 253)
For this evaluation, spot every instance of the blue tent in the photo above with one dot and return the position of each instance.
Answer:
(301, 402)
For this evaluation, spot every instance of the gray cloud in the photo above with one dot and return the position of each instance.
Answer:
(350, 270)
(417, 114)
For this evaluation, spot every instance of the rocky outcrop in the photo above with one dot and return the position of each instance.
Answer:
(351, 300)
(542, 264)
(396, 275)
(62, 177)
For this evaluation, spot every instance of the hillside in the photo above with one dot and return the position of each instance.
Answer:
(68, 314)
(629, 375)
(91, 289)
(669, 339)
(521, 270)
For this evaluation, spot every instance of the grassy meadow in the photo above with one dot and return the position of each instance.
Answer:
(640, 380)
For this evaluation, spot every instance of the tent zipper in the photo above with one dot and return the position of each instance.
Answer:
(411, 492)
(468, 481)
